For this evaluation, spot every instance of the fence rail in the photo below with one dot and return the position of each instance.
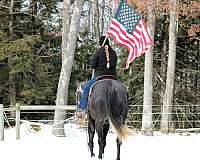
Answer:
(38, 107)
(186, 119)
(18, 110)
(1, 123)
(48, 107)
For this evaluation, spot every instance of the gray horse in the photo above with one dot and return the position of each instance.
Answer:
(108, 103)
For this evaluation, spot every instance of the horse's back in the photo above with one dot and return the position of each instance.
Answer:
(117, 85)
(101, 88)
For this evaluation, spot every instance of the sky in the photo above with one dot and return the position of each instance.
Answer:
(41, 145)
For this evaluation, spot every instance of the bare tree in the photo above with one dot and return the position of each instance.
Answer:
(163, 69)
(168, 97)
(101, 18)
(147, 124)
(89, 16)
(12, 85)
(96, 20)
(68, 58)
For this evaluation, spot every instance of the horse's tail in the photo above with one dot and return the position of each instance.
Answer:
(122, 131)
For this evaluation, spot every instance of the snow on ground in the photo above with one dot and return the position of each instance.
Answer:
(42, 145)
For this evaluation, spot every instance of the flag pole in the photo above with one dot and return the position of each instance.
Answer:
(104, 40)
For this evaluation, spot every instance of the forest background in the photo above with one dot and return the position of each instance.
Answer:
(32, 46)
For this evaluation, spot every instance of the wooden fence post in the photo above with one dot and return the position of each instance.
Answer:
(17, 121)
(1, 123)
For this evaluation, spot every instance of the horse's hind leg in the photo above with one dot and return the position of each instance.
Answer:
(91, 131)
(105, 132)
(119, 142)
(118, 148)
(99, 129)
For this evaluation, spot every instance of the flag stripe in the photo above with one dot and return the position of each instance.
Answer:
(121, 35)
(123, 30)
(129, 30)
(133, 39)
(146, 33)
(136, 43)
(120, 40)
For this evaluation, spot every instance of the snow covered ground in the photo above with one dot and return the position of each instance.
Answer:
(42, 145)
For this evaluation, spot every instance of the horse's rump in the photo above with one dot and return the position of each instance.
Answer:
(107, 92)
(109, 101)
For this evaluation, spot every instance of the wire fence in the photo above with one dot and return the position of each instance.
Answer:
(183, 118)
(180, 116)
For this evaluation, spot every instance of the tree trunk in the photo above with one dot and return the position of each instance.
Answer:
(107, 16)
(198, 85)
(163, 69)
(96, 21)
(102, 18)
(197, 88)
(61, 99)
(62, 91)
(12, 86)
(89, 18)
(168, 97)
(147, 124)
(34, 62)
(66, 25)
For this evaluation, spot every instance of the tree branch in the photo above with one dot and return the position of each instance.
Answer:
(4, 6)
(3, 12)
(160, 78)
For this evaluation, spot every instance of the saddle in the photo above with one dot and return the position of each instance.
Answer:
(103, 77)
(100, 79)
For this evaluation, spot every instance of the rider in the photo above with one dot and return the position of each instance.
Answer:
(103, 63)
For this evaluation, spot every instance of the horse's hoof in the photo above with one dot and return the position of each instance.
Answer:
(99, 157)
(92, 155)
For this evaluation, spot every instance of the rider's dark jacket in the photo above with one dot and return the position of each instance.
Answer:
(99, 62)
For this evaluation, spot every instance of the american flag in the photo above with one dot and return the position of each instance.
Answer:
(128, 29)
